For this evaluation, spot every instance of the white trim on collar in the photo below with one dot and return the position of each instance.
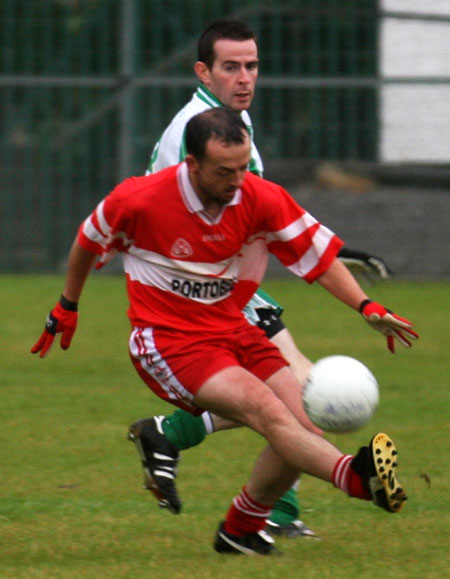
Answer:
(190, 197)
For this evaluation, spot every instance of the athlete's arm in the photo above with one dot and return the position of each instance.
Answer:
(63, 318)
(79, 266)
(342, 285)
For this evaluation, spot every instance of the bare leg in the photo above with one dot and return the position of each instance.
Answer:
(276, 412)
(221, 423)
(299, 363)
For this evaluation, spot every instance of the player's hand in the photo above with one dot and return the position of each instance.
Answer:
(62, 319)
(363, 265)
(389, 324)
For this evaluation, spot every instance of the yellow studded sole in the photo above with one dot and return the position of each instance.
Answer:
(388, 490)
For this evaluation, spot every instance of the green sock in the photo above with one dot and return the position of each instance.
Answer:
(183, 429)
(286, 509)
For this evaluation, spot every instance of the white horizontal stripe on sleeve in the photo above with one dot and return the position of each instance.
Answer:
(92, 233)
(311, 258)
(293, 230)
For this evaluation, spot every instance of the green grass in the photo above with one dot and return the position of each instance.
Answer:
(71, 503)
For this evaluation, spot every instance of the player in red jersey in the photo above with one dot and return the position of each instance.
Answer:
(182, 288)
(227, 69)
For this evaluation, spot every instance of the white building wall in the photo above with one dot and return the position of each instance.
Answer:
(415, 118)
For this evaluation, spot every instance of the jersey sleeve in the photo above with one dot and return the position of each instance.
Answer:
(298, 240)
(170, 149)
(301, 243)
(109, 228)
(256, 164)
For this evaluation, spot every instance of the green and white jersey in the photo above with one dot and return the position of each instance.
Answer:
(260, 300)
(171, 150)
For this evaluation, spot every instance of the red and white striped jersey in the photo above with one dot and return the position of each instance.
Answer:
(187, 271)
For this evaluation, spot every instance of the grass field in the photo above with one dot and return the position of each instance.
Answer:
(71, 503)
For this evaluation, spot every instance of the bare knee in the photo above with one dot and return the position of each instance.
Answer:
(235, 394)
(264, 410)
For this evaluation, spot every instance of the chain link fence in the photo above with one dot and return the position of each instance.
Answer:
(88, 86)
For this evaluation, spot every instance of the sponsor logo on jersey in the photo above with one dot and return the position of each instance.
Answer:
(206, 290)
(214, 237)
(181, 248)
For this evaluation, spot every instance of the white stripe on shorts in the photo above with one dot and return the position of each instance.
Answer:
(143, 348)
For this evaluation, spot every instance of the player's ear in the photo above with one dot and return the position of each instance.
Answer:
(191, 162)
(202, 71)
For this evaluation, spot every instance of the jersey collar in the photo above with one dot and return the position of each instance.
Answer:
(207, 96)
(190, 197)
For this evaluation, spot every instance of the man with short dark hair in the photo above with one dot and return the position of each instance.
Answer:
(227, 68)
(190, 342)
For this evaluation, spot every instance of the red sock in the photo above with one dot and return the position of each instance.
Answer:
(246, 515)
(346, 479)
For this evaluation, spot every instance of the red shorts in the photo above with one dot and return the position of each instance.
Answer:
(174, 365)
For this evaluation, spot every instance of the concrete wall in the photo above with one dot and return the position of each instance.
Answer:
(406, 226)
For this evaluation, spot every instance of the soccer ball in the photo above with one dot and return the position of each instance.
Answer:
(341, 394)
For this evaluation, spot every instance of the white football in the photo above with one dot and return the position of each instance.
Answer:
(341, 394)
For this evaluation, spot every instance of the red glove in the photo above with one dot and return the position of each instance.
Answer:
(388, 323)
(63, 318)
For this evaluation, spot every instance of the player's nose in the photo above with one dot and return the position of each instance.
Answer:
(238, 179)
(244, 75)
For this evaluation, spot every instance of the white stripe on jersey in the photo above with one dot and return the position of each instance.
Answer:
(101, 218)
(225, 268)
(92, 233)
(143, 348)
(208, 97)
(293, 230)
(205, 283)
(163, 267)
(311, 258)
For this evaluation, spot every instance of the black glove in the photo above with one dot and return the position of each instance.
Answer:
(363, 265)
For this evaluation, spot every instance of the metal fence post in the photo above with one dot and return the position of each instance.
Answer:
(127, 59)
